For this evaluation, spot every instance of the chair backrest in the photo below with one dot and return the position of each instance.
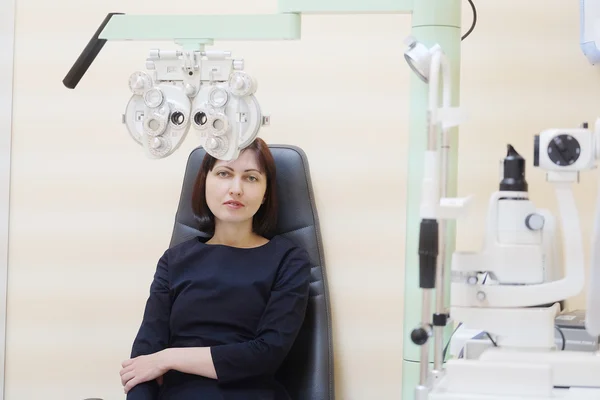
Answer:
(307, 372)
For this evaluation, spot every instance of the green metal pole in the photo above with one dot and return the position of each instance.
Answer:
(433, 21)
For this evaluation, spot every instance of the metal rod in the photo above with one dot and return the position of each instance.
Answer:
(425, 317)
(440, 273)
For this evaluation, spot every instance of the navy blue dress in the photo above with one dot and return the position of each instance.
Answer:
(247, 305)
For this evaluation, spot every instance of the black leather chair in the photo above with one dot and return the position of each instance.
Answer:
(307, 372)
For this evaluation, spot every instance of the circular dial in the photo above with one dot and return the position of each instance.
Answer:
(139, 82)
(156, 143)
(218, 97)
(158, 146)
(564, 150)
(241, 84)
(217, 146)
(154, 97)
(219, 124)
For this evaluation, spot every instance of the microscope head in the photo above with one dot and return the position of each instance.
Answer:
(562, 153)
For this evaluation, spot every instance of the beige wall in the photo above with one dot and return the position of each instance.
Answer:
(90, 215)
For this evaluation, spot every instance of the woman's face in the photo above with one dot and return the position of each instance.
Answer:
(235, 190)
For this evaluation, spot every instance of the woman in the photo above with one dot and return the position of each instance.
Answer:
(223, 313)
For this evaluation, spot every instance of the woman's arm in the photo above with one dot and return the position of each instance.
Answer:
(190, 360)
(153, 334)
(139, 373)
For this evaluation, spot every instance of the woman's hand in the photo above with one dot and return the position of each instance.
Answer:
(142, 369)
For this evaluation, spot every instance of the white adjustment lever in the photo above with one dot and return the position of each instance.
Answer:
(454, 207)
(450, 117)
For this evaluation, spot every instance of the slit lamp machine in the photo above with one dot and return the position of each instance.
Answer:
(511, 289)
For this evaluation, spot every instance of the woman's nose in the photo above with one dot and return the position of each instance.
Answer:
(236, 187)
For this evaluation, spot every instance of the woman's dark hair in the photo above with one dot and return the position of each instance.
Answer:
(265, 219)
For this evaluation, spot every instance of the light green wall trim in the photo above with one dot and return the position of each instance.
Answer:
(433, 22)
(217, 27)
(346, 6)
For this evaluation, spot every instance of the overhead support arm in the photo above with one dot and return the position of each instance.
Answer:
(183, 29)
(204, 29)
(213, 27)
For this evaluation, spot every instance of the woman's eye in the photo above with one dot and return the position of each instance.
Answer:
(222, 173)
(252, 178)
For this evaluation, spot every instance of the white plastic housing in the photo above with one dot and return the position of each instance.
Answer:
(465, 294)
(513, 253)
(587, 157)
(589, 30)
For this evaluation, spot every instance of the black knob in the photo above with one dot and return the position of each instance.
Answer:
(564, 150)
(419, 336)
